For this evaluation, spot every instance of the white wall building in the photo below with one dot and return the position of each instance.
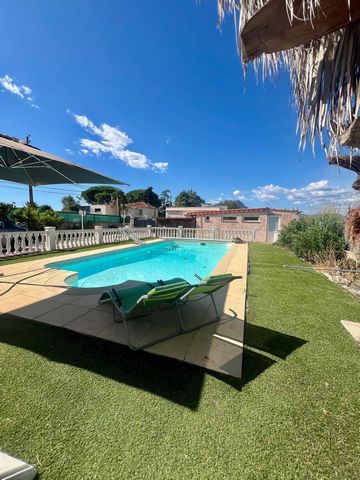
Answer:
(111, 209)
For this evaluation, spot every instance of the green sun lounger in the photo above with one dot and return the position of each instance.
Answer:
(142, 299)
(206, 287)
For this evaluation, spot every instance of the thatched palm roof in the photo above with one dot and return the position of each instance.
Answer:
(350, 162)
(324, 72)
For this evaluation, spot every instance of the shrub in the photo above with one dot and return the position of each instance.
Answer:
(35, 218)
(6, 210)
(317, 238)
(49, 218)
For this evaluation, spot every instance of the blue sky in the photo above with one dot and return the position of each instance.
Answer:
(152, 93)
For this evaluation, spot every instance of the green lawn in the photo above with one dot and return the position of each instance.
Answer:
(81, 408)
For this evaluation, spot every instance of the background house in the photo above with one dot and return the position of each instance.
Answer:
(138, 211)
(141, 214)
(266, 221)
(111, 209)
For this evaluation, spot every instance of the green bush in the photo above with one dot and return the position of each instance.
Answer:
(317, 238)
(49, 218)
(36, 218)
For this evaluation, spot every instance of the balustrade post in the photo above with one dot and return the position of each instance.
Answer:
(149, 230)
(98, 234)
(50, 239)
(180, 231)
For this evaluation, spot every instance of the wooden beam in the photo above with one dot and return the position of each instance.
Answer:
(346, 161)
(270, 30)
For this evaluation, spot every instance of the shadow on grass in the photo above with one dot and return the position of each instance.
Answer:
(178, 382)
(254, 364)
(164, 377)
(266, 340)
(276, 343)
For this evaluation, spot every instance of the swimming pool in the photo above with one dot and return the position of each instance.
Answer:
(147, 263)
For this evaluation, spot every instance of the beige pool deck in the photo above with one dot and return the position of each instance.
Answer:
(33, 291)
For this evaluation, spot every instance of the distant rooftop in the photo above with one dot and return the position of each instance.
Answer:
(140, 205)
(203, 207)
(247, 211)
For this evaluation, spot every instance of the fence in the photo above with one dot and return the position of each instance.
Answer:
(21, 243)
(95, 218)
(204, 233)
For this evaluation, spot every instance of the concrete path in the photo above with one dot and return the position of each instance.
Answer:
(353, 328)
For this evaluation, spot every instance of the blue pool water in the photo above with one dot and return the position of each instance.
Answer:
(147, 263)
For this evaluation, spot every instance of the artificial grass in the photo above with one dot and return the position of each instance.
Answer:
(78, 408)
(59, 253)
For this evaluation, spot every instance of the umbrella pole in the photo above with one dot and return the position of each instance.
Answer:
(31, 196)
(31, 193)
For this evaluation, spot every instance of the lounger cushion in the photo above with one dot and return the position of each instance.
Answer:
(141, 289)
(211, 284)
(167, 293)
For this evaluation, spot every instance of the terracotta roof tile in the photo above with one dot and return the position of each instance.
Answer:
(249, 211)
(140, 205)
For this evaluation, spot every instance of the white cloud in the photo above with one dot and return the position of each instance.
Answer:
(26, 90)
(22, 91)
(161, 166)
(315, 193)
(113, 141)
(213, 201)
(239, 195)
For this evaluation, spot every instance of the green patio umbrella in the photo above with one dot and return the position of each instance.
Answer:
(23, 163)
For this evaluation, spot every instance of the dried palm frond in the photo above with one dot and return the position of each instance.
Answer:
(351, 136)
(352, 226)
(325, 80)
(324, 74)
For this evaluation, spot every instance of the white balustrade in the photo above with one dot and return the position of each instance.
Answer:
(114, 235)
(20, 243)
(66, 239)
(204, 233)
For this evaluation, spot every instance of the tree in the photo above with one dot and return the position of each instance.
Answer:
(166, 201)
(6, 210)
(188, 198)
(50, 218)
(44, 208)
(70, 204)
(231, 204)
(101, 195)
(119, 198)
(146, 195)
(35, 218)
(28, 215)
